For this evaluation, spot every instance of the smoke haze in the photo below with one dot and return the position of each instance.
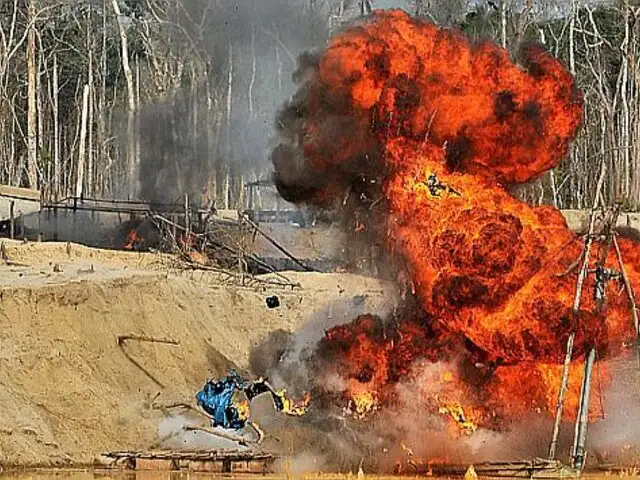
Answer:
(189, 140)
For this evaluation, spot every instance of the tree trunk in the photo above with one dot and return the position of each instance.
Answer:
(32, 112)
(226, 184)
(503, 23)
(624, 90)
(253, 73)
(40, 115)
(81, 149)
(56, 132)
(90, 167)
(102, 114)
(132, 161)
(572, 29)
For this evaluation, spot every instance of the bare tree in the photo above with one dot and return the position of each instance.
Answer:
(132, 161)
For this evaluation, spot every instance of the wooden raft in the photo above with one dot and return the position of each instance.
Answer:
(213, 461)
(535, 468)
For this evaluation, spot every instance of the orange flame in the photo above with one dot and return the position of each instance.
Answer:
(362, 404)
(132, 240)
(292, 407)
(399, 110)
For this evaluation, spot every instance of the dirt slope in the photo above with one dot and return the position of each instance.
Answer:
(68, 392)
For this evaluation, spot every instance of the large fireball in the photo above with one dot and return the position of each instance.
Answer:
(418, 133)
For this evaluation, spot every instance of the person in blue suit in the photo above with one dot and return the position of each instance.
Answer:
(217, 399)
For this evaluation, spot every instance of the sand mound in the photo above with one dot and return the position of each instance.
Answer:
(69, 393)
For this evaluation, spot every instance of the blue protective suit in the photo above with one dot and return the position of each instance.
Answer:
(216, 398)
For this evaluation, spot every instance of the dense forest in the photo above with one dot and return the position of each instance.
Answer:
(152, 99)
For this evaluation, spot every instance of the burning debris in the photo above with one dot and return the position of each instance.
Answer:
(195, 240)
(137, 235)
(415, 135)
(273, 301)
(219, 402)
(456, 412)
(218, 398)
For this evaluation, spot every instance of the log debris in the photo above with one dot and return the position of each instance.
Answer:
(145, 338)
(273, 242)
(122, 339)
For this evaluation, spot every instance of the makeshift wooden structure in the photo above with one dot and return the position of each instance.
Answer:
(535, 468)
(210, 461)
(601, 233)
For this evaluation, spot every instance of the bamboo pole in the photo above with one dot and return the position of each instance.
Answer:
(580, 435)
(630, 294)
(576, 308)
(273, 242)
(187, 218)
(561, 394)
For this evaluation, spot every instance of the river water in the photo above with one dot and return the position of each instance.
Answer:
(185, 475)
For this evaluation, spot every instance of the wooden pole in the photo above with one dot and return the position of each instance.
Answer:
(576, 308)
(275, 244)
(187, 219)
(561, 394)
(580, 436)
(12, 220)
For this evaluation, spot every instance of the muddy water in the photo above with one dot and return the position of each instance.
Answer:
(116, 475)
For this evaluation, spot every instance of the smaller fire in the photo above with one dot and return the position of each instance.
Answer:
(456, 413)
(410, 463)
(132, 240)
(136, 234)
(362, 404)
(243, 409)
(188, 241)
(294, 408)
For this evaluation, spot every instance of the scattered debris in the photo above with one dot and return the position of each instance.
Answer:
(257, 229)
(7, 260)
(86, 270)
(436, 187)
(218, 402)
(273, 301)
(142, 338)
(220, 461)
(145, 338)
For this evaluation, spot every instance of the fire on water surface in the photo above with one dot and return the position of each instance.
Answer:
(418, 133)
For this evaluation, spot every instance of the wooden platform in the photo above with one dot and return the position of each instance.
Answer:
(535, 468)
(212, 461)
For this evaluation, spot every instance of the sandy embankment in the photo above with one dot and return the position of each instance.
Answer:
(67, 391)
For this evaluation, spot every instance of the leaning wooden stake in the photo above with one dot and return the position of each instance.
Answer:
(561, 394)
(576, 308)
(187, 220)
(143, 338)
(12, 220)
(580, 437)
(275, 243)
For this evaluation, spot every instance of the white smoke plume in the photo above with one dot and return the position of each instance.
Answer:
(172, 429)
